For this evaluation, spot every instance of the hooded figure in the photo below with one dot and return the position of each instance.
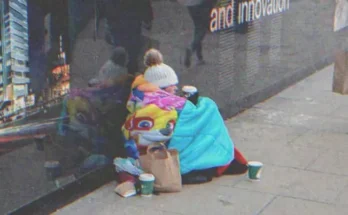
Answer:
(112, 68)
(124, 21)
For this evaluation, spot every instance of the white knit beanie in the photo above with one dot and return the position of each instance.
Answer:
(161, 75)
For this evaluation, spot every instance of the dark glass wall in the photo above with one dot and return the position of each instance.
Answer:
(246, 62)
(35, 41)
(251, 50)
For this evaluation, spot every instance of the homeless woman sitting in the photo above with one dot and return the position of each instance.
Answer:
(197, 132)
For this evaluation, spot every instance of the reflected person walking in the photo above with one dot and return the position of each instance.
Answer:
(199, 11)
(124, 22)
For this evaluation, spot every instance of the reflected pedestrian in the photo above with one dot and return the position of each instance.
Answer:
(114, 68)
(124, 22)
(199, 11)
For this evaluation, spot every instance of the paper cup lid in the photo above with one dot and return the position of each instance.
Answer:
(146, 177)
(52, 164)
(189, 89)
(255, 163)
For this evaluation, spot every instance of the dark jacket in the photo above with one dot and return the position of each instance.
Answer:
(125, 16)
(113, 68)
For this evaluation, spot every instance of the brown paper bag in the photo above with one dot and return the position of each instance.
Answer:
(164, 165)
(340, 80)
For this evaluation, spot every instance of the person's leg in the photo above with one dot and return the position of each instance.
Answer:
(201, 19)
(132, 44)
(238, 166)
(132, 51)
(194, 14)
(134, 48)
(200, 15)
(198, 42)
(204, 18)
(199, 176)
(132, 65)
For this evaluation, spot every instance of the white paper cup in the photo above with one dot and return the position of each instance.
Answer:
(254, 170)
(191, 93)
(147, 184)
(189, 89)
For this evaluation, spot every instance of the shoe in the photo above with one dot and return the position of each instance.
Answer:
(196, 179)
(188, 55)
(53, 169)
(236, 168)
(199, 53)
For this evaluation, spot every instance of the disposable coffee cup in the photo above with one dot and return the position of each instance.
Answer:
(254, 170)
(191, 93)
(147, 184)
(53, 169)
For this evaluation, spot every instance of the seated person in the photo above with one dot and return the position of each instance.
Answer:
(158, 115)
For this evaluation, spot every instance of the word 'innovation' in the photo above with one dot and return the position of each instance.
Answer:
(227, 16)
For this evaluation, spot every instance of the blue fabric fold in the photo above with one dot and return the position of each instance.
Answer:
(201, 137)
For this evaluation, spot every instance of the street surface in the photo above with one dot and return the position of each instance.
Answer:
(301, 136)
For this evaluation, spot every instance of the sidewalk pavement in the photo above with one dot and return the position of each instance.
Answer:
(301, 136)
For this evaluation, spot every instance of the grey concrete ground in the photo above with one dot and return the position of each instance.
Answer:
(301, 135)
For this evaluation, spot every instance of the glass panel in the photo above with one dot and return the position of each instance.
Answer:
(64, 118)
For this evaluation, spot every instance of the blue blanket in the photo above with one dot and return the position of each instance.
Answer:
(201, 137)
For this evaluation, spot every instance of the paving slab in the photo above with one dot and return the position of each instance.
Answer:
(317, 88)
(332, 161)
(94, 202)
(288, 156)
(116, 209)
(328, 96)
(340, 112)
(333, 125)
(302, 90)
(242, 132)
(291, 206)
(269, 143)
(198, 199)
(322, 140)
(228, 180)
(282, 118)
(299, 106)
(342, 199)
(209, 199)
(300, 135)
(297, 183)
(316, 80)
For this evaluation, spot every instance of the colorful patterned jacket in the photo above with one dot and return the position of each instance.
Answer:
(197, 131)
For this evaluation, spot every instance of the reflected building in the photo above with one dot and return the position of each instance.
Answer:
(15, 60)
(60, 84)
